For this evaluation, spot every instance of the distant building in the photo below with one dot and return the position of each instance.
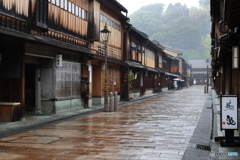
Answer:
(199, 70)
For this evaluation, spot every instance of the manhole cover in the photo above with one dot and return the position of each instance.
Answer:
(203, 147)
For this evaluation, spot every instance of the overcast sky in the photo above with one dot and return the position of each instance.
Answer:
(134, 5)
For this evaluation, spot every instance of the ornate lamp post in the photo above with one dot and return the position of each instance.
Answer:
(105, 36)
(207, 63)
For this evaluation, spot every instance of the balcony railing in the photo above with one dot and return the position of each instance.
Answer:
(14, 23)
(111, 51)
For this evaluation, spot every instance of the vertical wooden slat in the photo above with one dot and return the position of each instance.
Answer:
(22, 99)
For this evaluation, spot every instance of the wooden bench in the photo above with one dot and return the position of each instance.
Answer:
(9, 111)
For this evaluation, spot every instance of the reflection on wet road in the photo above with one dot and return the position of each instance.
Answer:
(157, 128)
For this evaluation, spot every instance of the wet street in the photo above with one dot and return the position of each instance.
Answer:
(157, 128)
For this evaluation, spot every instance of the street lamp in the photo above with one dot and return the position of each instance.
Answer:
(207, 63)
(105, 36)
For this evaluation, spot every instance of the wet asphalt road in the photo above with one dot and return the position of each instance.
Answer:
(157, 128)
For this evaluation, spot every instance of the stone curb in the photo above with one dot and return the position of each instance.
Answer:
(199, 144)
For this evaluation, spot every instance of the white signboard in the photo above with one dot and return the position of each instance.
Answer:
(229, 114)
(58, 60)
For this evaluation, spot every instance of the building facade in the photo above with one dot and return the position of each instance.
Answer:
(201, 71)
(52, 55)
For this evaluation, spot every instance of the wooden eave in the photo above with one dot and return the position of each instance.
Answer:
(43, 40)
(153, 46)
(173, 51)
(215, 9)
(229, 40)
(135, 64)
(217, 32)
(138, 38)
(158, 44)
(112, 60)
(213, 30)
(151, 69)
(121, 7)
(169, 57)
(113, 10)
(232, 13)
(138, 33)
(9, 32)
(60, 44)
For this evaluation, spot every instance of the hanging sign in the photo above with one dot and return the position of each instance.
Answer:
(58, 60)
(229, 112)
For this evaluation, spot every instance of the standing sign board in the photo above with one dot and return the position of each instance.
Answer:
(229, 112)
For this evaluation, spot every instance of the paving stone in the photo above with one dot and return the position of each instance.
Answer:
(156, 128)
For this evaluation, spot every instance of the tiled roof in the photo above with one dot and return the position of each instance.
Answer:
(120, 6)
(140, 32)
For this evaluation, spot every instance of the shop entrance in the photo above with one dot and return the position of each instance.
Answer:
(30, 87)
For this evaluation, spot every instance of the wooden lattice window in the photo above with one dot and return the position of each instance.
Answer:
(133, 54)
(41, 13)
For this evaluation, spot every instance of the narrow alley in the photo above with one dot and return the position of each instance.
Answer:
(155, 128)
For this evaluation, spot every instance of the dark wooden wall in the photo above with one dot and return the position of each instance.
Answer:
(67, 20)
(19, 8)
(149, 82)
(11, 72)
(93, 21)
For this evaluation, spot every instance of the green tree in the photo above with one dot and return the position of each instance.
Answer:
(147, 14)
(176, 11)
(206, 43)
(178, 27)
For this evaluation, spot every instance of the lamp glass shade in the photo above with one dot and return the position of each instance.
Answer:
(235, 55)
(105, 33)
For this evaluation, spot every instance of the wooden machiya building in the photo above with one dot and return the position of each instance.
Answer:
(135, 71)
(225, 33)
(170, 68)
(160, 59)
(50, 50)
(109, 13)
(186, 71)
(152, 79)
(141, 75)
(180, 68)
(52, 56)
(43, 46)
(200, 72)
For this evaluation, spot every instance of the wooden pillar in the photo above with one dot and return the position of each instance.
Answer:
(124, 85)
(22, 98)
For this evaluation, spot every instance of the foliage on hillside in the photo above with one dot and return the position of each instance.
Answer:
(179, 27)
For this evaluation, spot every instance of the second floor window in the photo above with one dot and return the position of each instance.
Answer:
(109, 22)
(77, 11)
(57, 2)
(136, 52)
(84, 14)
(65, 6)
(62, 4)
(70, 7)
(160, 59)
(73, 8)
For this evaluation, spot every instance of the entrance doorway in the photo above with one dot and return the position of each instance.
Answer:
(97, 84)
(30, 70)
